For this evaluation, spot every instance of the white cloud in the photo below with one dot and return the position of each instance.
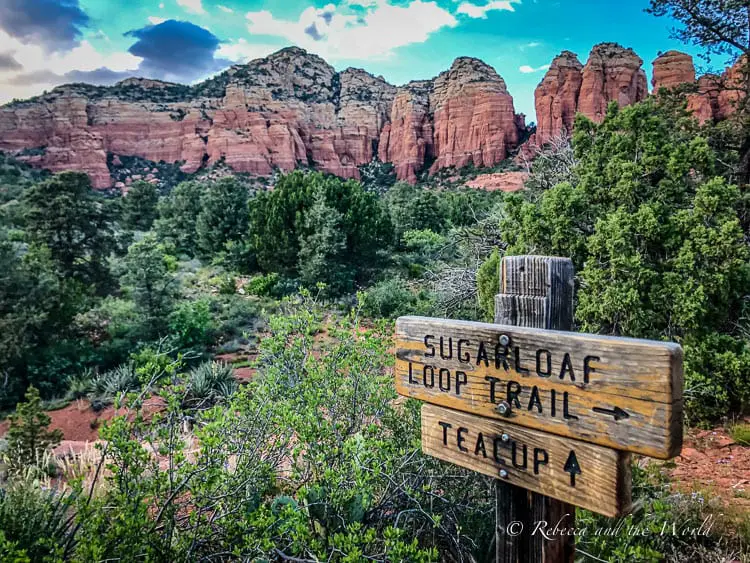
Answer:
(155, 20)
(474, 11)
(50, 67)
(526, 69)
(241, 51)
(335, 32)
(192, 6)
(161, 6)
(533, 44)
(225, 9)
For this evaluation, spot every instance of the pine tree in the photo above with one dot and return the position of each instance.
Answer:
(139, 206)
(29, 435)
(64, 215)
(322, 248)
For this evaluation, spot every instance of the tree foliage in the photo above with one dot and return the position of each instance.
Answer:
(279, 223)
(28, 434)
(148, 278)
(139, 206)
(656, 240)
(64, 215)
(223, 216)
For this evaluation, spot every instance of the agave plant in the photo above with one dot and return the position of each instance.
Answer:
(121, 379)
(208, 384)
(36, 517)
(81, 385)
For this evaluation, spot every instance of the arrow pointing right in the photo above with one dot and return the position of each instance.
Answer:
(616, 412)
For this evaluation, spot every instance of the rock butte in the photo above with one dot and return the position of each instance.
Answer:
(293, 109)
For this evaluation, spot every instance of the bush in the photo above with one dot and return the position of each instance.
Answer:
(28, 434)
(263, 285)
(488, 285)
(394, 298)
(741, 434)
(191, 325)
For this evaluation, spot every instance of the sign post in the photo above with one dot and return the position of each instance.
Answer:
(552, 414)
(535, 292)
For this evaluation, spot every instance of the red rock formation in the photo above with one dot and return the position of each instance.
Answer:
(407, 138)
(704, 104)
(474, 119)
(288, 109)
(464, 116)
(556, 97)
(612, 73)
(672, 69)
(732, 91)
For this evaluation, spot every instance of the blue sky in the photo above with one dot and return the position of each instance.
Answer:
(44, 43)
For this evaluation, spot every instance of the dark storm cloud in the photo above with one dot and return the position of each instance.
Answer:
(7, 62)
(55, 24)
(101, 76)
(36, 77)
(176, 50)
(313, 32)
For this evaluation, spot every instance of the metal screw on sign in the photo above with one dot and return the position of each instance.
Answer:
(504, 408)
(503, 474)
(505, 438)
(504, 340)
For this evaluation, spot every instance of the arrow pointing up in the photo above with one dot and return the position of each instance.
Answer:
(616, 412)
(572, 467)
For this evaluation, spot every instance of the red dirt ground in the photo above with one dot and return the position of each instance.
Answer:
(712, 461)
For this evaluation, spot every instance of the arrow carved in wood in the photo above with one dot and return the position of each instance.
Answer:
(616, 412)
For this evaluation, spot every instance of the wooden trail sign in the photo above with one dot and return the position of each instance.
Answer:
(618, 392)
(583, 474)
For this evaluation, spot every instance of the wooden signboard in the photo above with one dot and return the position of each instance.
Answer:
(583, 474)
(622, 393)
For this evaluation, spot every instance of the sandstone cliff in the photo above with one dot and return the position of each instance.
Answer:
(672, 69)
(286, 110)
(612, 73)
(556, 98)
(463, 116)
(293, 109)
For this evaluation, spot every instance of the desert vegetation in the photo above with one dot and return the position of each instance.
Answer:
(234, 343)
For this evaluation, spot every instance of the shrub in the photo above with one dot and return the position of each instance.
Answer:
(28, 434)
(191, 324)
(394, 298)
(741, 434)
(263, 285)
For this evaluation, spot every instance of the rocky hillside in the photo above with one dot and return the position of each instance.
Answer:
(292, 109)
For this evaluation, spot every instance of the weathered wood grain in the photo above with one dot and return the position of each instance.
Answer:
(641, 378)
(602, 485)
(537, 292)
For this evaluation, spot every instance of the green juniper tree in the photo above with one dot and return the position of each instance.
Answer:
(64, 215)
(148, 278)
(178, 213)
(657, 243)
(322, 248)
(139, 206)
(223, 216)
